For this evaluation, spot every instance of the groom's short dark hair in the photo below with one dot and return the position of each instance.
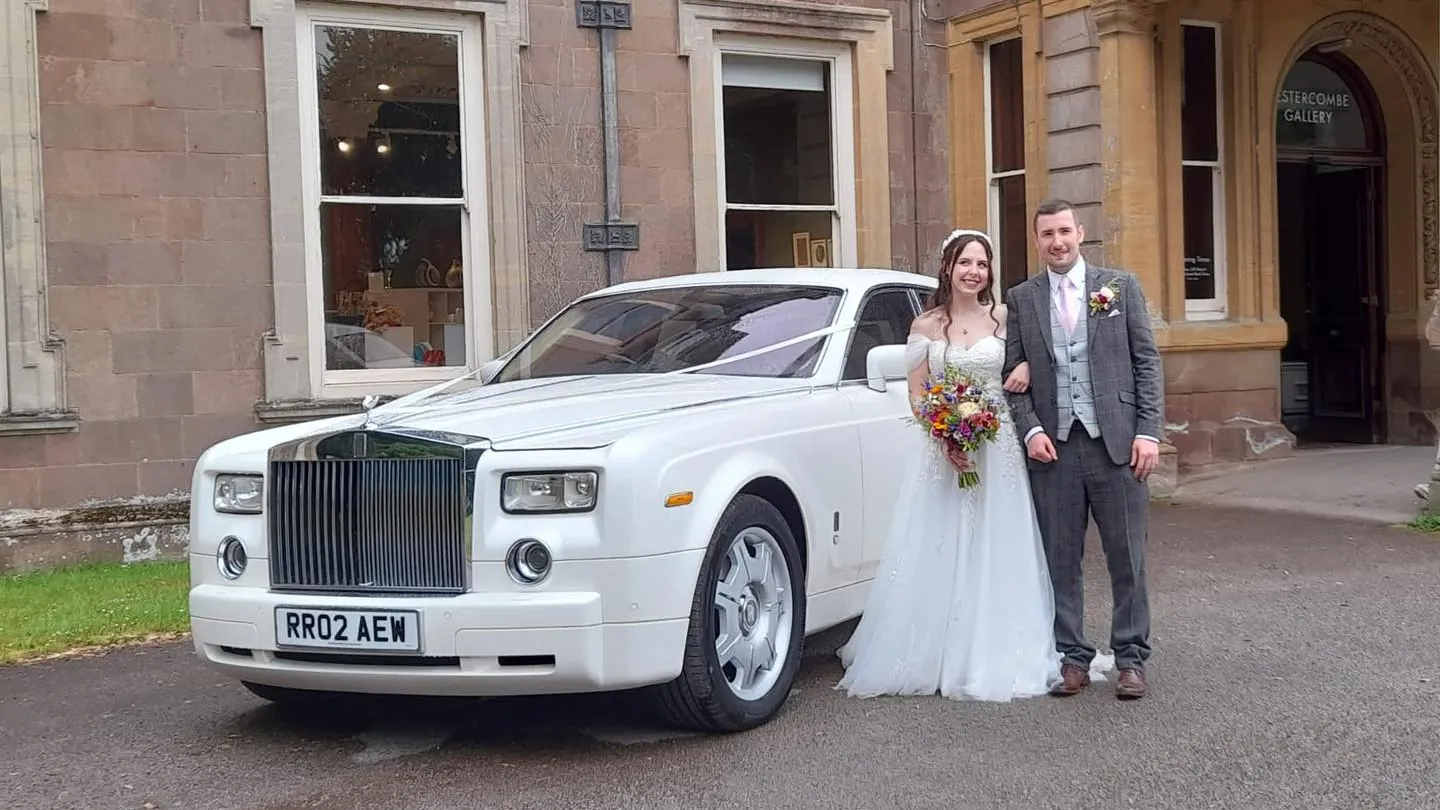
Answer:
(1052, 206)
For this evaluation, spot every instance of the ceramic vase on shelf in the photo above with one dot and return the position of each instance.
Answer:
(427, 274)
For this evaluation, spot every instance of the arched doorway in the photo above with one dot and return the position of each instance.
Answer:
(1330, 172)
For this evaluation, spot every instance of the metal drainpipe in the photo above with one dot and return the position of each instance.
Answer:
(919, 15)
(613, 235)
(610, 125)
(917, 19)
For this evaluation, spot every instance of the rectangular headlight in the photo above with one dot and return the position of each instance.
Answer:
(239, 494)
(549, 491)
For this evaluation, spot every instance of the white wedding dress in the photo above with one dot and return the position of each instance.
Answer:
(962, 602)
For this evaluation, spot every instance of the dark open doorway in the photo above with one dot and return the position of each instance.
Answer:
(1330, 200)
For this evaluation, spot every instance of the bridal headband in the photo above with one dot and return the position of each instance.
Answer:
(959, 232)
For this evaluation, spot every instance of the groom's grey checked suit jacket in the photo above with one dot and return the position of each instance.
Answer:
(1123, 399)
(1125, 373)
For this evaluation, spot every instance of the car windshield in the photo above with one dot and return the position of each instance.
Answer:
(655, 331)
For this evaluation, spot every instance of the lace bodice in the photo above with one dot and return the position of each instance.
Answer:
(983, 361)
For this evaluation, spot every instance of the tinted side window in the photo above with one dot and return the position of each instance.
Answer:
(884, 321)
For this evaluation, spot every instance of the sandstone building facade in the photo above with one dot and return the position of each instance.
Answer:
(219, 215)
(1268, 169)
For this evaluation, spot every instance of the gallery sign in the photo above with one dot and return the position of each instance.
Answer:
(1312, 106)
(1316, 109)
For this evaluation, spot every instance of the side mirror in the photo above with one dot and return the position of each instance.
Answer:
(884, 363)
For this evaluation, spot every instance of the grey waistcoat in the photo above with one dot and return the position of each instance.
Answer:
(1074, 394)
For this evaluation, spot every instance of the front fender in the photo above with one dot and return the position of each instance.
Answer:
(733, 475)
(724, 477)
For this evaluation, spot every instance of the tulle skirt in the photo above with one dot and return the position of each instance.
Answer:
(962, 603)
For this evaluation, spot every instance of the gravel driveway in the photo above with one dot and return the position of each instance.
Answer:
(1295, 666)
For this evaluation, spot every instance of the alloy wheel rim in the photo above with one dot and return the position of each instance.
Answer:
(752, 615)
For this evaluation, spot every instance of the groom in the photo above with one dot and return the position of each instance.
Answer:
(1091, 423)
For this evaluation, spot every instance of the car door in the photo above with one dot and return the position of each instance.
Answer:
(888, 441)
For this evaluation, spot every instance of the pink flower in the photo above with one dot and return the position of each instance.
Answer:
(1104, 298)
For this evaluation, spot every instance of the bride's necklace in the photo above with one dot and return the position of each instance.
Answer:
(964, 330)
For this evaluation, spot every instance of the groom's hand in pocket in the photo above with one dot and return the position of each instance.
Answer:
(1040, 448)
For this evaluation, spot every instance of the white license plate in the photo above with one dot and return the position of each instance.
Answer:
(332, 628)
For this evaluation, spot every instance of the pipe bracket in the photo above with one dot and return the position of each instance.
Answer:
(612, 236)
(602, 14)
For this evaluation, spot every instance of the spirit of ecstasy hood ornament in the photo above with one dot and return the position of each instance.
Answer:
(369, 403)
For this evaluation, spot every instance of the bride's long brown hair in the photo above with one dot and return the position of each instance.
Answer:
(943, 295)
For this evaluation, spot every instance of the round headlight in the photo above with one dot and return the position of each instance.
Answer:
(231, 558)
(528, 561)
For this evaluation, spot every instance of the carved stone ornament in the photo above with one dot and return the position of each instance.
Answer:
(1123, 16)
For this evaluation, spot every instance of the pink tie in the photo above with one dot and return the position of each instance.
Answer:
(1067, 305)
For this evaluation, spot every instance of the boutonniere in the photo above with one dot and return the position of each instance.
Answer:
(1103, 299)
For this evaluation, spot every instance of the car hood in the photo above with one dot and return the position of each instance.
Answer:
(577, 412)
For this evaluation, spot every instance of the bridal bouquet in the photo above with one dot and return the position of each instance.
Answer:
(957, 411)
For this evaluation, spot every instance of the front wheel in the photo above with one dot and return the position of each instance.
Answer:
(747, 624)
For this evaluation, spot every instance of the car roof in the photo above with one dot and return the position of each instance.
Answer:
(850, 279)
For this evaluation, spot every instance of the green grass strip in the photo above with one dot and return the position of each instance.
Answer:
(1426, 523)
(91, 606)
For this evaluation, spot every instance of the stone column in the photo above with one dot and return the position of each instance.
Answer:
(1130, 145)
(1130, 155)
(1073, 137)
(32, 373)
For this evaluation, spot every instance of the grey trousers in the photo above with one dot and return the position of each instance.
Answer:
(1082, 482)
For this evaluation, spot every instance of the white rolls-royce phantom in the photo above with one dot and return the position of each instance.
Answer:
(668, 485)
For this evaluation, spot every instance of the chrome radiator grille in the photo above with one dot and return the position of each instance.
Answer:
(368, 525)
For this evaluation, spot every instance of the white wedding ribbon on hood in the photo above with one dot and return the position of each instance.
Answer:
(393, 407)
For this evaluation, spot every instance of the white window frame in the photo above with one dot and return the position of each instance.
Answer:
(992, 177)
(1217, 308)
(839, 64)
(474, 208)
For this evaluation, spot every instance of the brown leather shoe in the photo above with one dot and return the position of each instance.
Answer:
(1073, 678)
(1131, 685)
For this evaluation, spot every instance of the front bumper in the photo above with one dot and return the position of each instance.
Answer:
(474, 644)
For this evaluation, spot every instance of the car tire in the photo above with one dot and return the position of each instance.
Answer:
(702, 697)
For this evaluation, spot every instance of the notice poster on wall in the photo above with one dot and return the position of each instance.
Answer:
(1199, 278)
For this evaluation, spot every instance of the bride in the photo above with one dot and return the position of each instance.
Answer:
(962, 603)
